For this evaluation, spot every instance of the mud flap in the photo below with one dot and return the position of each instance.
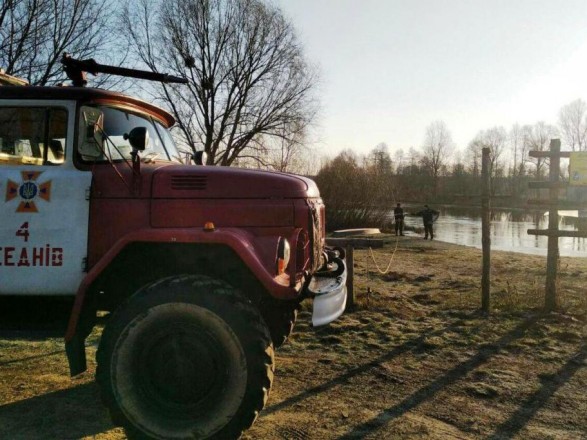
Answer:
(75, 346)
(76, 355)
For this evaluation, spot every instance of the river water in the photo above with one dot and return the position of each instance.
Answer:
(508, 230)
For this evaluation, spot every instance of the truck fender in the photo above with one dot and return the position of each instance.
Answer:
(83, 315)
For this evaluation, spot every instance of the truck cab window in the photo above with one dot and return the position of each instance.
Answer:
(109, 129)
(32, 135)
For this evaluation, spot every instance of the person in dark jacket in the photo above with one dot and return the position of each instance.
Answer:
(398, 214)
(429, 216)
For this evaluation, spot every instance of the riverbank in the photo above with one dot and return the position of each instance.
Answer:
(416, 359)
(413, 360)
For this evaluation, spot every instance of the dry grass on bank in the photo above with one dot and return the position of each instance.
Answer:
(414, 360)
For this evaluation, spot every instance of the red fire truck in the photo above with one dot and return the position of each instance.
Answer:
(200, 269)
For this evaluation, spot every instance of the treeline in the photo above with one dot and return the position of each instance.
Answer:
(361, 190)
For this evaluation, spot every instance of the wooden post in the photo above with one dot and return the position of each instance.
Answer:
(554, 185)
(485, 232)
(350, 267)
(552, 256)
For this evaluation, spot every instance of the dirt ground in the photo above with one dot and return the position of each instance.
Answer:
(414, 359)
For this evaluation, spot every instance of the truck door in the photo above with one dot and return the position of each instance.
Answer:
(44, 204)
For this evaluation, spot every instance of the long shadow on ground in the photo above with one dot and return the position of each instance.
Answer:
(66, 414)
(71, 413)
(550, 384)
(32, 358)
(407, 346)
(427, 392)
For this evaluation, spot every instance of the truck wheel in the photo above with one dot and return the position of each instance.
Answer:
(281, 319)
(186, 357)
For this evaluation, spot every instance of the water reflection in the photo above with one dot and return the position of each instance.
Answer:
(508, 230)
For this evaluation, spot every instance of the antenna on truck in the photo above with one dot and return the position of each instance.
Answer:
(76, 71)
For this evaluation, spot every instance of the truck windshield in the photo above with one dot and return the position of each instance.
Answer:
(118, 123)
(168, 142)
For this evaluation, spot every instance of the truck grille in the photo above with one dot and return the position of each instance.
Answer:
(183, 183)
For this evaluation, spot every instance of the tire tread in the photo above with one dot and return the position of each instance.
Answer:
(257, 337)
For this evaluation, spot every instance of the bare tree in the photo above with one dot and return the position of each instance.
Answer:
(248, 80)
(496, 140)
(279, 153)
(539, 136)
(519, 140)
(414, 157)
(573, 125)
(438, 145)
(306, 161)
(357, 205)
(35, 33)
(380, 159)
(473, 156)
(398, 157)
(460, 183)
(518, 136)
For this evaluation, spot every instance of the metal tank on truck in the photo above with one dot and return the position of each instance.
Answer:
(201, 269)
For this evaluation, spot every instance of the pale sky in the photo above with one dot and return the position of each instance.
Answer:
(389, 68)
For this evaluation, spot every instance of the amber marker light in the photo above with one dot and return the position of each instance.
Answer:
(281, 266)
(209, 227)
(283, 254)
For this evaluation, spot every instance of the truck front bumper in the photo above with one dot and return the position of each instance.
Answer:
(329, 291)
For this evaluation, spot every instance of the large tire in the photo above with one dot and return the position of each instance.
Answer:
(186, 357)
(280, 317)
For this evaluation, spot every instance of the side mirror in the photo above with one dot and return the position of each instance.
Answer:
(200, 157)
(138, 138)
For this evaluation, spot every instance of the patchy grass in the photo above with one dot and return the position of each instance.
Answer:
(415, 359)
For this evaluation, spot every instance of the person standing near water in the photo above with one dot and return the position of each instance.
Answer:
(429, 216)
(398, 214)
